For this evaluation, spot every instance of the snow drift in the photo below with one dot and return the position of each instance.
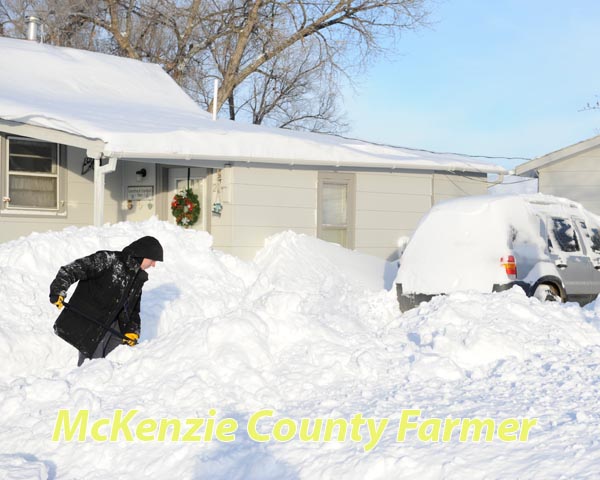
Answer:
(307, 329)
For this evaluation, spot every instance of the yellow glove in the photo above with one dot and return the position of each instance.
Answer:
(132, 339)
(57, 300)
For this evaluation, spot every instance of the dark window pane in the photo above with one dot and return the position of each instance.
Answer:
(28, 156)
(595, 240)
(565, 235)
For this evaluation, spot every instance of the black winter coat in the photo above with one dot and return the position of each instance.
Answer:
(110, 287)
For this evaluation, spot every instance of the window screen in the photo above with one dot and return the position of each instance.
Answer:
(32, 174)
(335, 209)
(335, 204)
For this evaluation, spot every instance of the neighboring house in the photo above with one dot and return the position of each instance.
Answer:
(63, 111)
(572, 172)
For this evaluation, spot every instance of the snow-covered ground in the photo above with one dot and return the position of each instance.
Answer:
(309, 331)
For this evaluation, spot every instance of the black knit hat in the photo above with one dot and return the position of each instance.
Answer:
(145, 247)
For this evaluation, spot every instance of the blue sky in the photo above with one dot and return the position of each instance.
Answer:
(498, 78)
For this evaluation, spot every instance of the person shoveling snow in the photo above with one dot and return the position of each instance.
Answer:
(104, 311)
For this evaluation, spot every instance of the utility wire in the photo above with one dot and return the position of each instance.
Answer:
(491, 157)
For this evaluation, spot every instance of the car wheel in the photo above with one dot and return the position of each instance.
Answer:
(545, 292)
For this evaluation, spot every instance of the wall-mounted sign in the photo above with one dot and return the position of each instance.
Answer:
(137, 193)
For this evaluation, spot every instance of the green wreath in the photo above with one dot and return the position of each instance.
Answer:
(185, 208)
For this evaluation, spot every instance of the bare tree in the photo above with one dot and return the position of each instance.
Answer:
(594, 105)
(267, 29)
(298, 90)
(278, 60)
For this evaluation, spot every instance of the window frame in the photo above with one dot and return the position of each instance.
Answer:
(6, 208)
(338, 178)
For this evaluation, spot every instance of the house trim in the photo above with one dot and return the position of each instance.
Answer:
(219, 161)
(94, 147)
(529, 169)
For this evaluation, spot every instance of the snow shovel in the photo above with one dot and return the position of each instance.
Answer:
(100, 324)
(84, 336)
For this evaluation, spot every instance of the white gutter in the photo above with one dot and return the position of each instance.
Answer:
(500, 179)
(380, 164)
(93, 146)
(99, 174)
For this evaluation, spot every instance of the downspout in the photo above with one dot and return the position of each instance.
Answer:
(500, 179)
(99, 172)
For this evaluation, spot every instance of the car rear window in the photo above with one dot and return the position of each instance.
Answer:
(565, 235)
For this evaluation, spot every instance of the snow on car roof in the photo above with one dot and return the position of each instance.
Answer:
(548, 204)
(459, 243)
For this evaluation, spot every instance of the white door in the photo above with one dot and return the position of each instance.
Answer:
(178, 181)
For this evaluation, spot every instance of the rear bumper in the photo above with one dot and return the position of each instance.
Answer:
(412, 300)
(507, 286)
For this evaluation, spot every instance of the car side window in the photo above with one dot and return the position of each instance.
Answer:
(564, 234)
(592, 234)
(595, 239)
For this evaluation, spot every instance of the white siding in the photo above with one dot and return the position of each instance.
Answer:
(577, 178)
(389, 206)
(447, 186)
(264, 201)
(221, 226)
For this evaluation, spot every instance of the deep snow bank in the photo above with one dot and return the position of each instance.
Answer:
(306, 329)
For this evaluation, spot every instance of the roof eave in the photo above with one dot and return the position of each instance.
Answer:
(530, 168)
(208, 160)
(94, 147)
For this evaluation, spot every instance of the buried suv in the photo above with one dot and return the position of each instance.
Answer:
(548, 246)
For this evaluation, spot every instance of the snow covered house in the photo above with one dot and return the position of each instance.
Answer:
(572, 172)
(88, 138)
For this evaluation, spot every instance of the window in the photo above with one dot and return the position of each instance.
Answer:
(564, 234)
(336, 208)
(32, 174)
(595, 240)
(593, 234)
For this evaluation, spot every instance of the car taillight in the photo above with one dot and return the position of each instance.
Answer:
(510, 266)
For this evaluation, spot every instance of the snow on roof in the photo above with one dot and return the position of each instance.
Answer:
(138, 111)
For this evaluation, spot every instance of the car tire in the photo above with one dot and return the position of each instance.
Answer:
(546, 292)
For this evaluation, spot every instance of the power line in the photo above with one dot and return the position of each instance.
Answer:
(491, 157)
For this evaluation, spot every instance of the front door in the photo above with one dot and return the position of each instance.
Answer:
(178, 181)
(574, 266)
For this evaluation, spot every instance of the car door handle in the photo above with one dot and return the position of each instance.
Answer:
(560, 264)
